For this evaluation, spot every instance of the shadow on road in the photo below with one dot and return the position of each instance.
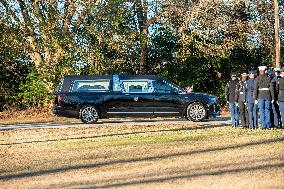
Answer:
(103, 121)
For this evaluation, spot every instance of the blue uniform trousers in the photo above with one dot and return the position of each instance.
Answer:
(281, 106)
(234, 114)
(276, 115)
(264, 106)
(253, 117)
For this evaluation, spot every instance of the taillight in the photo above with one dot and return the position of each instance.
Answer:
(58, 98)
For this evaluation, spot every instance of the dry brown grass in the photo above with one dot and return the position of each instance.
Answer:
(42, 115)
(160, 156)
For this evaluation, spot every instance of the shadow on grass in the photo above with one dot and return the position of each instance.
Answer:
(189, 176)
(116, 134)
(132, 160)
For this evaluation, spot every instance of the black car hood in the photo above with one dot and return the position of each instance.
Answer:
(199, 94)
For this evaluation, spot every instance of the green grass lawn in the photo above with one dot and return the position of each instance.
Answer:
(161, 156)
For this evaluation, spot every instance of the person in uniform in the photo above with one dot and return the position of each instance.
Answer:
(275, 106)
(277, 72)
(280, 95)
(264, 95)
(250, 101)
(240, 99)
(273, 114)
(230, 91)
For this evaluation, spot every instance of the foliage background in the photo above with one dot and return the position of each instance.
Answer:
(191, 42)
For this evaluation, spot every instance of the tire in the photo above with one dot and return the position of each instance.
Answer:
(89, 114)
(196, 112)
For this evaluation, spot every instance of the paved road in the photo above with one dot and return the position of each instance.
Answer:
(116, 122)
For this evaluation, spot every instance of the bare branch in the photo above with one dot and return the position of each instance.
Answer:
(52, 12)
(70, 11)
(37, 11)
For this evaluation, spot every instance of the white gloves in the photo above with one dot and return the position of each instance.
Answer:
(272, 101)
(237, 104)
(255, 101)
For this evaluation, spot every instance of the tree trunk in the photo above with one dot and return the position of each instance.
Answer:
(277, 38)
(143, 58)
(142, 11)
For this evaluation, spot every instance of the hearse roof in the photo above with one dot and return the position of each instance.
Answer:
(121, 77)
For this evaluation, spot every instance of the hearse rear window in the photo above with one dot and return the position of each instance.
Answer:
(90, 85)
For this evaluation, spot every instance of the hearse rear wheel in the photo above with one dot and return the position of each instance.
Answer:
(89, 114)
(196, 112)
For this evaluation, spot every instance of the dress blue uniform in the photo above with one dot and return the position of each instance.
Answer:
(252, 107)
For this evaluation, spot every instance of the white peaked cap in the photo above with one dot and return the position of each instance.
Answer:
(244, 74)
(262, 67)
(277, 69)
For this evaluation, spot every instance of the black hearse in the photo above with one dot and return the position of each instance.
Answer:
(92, 97)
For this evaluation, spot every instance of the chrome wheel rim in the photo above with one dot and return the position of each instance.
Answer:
(89, 114)
(197, 112)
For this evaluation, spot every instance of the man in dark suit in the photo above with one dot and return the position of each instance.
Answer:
(240, 99)
(230, 91)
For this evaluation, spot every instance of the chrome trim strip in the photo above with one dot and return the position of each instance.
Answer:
(130, 112)
(264, 89)
(166, 112)
(143, 112)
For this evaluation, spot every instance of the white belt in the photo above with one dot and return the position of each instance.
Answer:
(241, 92)
(264, 89)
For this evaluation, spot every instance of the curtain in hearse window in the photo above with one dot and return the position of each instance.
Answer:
(136, 86)
(90, 85)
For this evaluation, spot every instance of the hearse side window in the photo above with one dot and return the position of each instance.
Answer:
(161, 87)
(90, 85)
(135, 86)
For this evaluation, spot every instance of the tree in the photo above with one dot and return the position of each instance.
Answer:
(44, 26)
(13, 68)
(147, 13)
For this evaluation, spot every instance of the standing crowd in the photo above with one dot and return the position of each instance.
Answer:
(254, 95)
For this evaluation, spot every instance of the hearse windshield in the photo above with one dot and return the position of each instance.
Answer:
(173, 87)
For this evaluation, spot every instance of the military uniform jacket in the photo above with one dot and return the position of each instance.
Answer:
(263, 88)
(230, 90)
(249, 88)
(274, 82)
(240, 91)
(280, 89)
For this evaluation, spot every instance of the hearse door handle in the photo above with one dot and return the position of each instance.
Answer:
(126, 94)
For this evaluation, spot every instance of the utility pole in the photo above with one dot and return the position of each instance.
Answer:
(277, 37)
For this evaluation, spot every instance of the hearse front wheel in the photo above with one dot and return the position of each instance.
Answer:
(196, 112)
(89, 114)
